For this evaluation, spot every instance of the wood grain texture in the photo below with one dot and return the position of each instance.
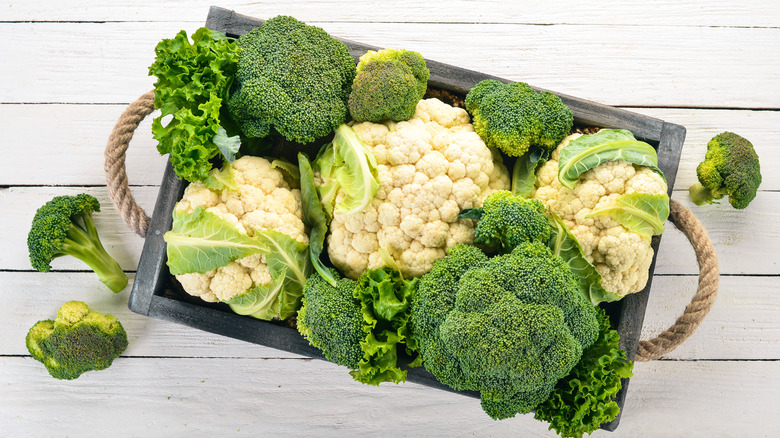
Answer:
(68, 141)
(177, 397)
(743, 324)
(659, 66)
(763, 13)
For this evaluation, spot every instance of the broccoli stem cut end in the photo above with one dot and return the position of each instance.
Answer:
(701, 195)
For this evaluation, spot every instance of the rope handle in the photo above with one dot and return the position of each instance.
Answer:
(135, 217)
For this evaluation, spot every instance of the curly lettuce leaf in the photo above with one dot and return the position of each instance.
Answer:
(384, 299)
(314, 217)
(193, 79)
(201, 241)
(288, 261)
(346, 166)
(588, 151)
(642, 213)
(583, 400)
(565, 245)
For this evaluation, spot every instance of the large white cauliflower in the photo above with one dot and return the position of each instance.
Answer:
(264, 201)
(622, 257)
(430, 168)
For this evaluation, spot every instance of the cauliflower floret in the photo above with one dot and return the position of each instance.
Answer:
(264, 201)
(622, 257)
(430, 167)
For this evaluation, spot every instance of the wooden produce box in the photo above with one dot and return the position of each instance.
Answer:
(155, 293)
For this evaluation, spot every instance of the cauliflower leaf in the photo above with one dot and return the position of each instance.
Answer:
(588, 151)
(201, 241)
(642, 213)
(347, 167)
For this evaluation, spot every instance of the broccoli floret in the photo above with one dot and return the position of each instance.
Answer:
(508, 220)
(331, 320)
(731, 168)
(291, 78)
(64, 227)
(388, 85)
(513, 117)
(79, 340)
(509, 326)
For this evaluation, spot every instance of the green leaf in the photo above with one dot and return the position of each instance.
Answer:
(588, 151)
(201, 241)
(193, 79)
(314, 217)
(288, 261)
(221, 179)
(228, 146)
(565, 245)
(524, 172)
(384, 298)
(346, 166)
(290, 172)
(641, 213)
(472, 213)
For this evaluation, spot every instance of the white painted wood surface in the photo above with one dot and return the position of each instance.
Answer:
(70, 67)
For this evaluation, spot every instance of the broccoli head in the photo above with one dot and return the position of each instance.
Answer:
(510, 326)
(79, 340)
(513, 117)
(388, 85)
(292, 78)
(508, 220)
(731, 168)
(64, 226)
(331, 320)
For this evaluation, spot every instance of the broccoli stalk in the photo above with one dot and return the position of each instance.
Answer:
(64, 227)
(730, 168)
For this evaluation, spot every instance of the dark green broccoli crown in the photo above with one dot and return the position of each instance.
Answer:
(512, 117)
(79, 340)
(516, 325)
(291, 77)
(331, 320)
(388, 85)
(433, 301)
(509, 220)
(731, 168)
(52, 224)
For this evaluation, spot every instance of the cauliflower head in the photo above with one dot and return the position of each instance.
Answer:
(264, 201)
(430, 168)
(622, 257)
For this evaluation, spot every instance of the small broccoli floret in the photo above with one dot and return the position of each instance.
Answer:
(513, 117)
(79, 340)
(731, 168)
(331, 320)
(509, 326)
(291, 78)
(509, 220)
(388, 85)
(64, 226)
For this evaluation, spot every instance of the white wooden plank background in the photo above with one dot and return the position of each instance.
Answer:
(70, 67)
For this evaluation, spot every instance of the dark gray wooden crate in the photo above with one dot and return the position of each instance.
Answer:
(155, 294)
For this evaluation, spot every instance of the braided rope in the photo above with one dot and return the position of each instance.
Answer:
(116, 176)
(135, 217)
(702, 301)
